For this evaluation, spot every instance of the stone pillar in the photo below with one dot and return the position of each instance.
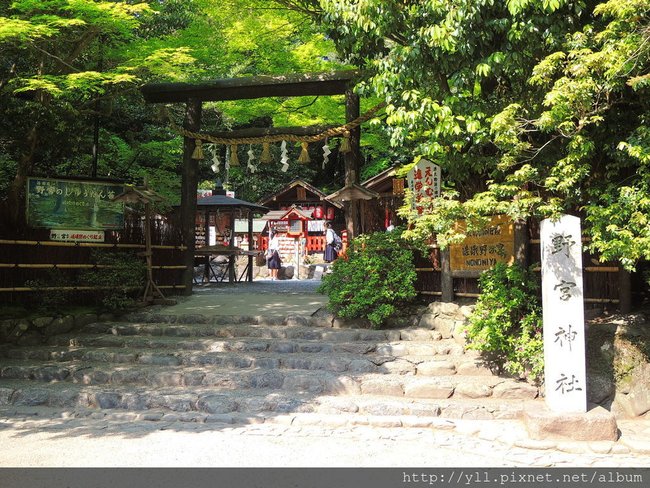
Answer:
(563, 314)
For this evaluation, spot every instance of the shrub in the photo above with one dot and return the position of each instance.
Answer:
(506, 325)
(373, 280)
(124, 278)
(50, 300)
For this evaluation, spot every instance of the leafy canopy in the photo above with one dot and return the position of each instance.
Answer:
(531, 107)
(66, 63)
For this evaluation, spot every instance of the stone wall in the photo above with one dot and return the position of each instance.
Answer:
(35, 331)
(620, 345)
(618, 350)
(450, 319)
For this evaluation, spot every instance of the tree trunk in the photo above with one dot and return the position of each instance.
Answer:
(16, 198)
(352, 158)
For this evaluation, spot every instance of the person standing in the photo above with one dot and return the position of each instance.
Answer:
(273, 260)
(331, 244)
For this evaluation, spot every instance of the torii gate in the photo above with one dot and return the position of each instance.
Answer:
(296, 85)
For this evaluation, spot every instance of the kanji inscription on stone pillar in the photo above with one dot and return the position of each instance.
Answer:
(563, 314)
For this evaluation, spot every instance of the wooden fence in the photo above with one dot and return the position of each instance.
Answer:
(29, 257)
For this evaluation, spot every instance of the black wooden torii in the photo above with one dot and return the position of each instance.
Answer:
(296, 85)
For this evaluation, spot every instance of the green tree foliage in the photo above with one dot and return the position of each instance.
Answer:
(374, 279)
(445, 68)
(66, 64)
(531, 107)
(63, 63)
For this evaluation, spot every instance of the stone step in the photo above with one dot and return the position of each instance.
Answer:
(69, 344)
(317, 320)
(198, 403)
(312, 381)
(250, 369)
(262, 332)
(44, 362)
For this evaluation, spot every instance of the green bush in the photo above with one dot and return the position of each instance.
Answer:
(506, 325)
(374, 279)
(124, 279)
(49, 300)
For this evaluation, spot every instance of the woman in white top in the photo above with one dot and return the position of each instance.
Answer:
(330, 251)
(273, 255)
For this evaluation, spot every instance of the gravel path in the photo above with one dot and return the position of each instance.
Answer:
(40, 439)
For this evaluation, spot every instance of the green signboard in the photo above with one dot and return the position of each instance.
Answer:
(74, 204)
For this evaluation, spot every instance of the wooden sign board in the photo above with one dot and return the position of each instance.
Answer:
(482, 249)
(424, 181)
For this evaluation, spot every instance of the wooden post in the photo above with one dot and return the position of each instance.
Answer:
(206, 230)
(189, 184)
(521, 243)
(151, 288)
(446, 279)
(352, 162)
(147, 249)
(624, 291)
(250, 246)
(231, 258)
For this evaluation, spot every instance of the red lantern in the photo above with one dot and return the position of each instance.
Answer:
(318, 212)
(330, 213)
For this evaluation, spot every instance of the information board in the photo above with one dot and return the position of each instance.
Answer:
(71, 235)
(74, 204)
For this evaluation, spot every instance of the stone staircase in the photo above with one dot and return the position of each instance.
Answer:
(255, 369)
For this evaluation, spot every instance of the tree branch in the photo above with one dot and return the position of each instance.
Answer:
(82, 44)
(55, 57)
(12, 71)
(307, 7)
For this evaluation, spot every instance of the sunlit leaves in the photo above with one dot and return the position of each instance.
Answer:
(544, 72)
(17, 30)
(169, 63)
(549, 6)
(620, 224)
(45, 84)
